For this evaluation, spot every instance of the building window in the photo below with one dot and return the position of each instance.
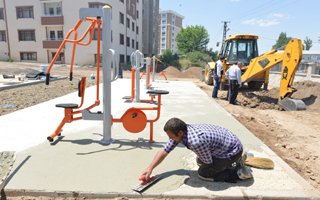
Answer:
(121, 58)
(128, 59)
(96, 5)
(28, 56)
(95, 34)
(3, 36)
(96, 58)
(121, 18)
(121, 39)
(1, 13)
(132, 25)
(26, 35)
(132, 43)
(137, 45)
(52, 35)
(122, 1)
(60, 35)
(24, 12)
(128, 42)
(111, 36)
(137, 14)
(137, 30)
(128, 23)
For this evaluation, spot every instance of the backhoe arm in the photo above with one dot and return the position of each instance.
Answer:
(290, 59)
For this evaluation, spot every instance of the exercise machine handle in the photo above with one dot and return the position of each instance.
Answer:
(47, 78)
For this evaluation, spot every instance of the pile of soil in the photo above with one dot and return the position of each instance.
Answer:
(307, 91)
(190, 73)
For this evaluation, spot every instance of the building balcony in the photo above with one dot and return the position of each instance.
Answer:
(52, 20)
(51, 44)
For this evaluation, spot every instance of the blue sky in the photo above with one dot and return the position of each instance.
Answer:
(265, 18)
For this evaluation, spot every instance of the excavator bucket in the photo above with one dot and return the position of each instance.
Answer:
(289, 104)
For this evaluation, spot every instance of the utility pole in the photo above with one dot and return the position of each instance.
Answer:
(225, 30)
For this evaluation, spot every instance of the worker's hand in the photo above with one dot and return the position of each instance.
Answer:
(145, 176)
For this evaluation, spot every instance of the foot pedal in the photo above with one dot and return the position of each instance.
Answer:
(146, 184)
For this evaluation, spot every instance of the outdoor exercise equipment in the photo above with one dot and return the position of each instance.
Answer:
(134, 119)
(138, 61)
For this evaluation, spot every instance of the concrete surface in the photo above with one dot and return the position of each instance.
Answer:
(78, 165)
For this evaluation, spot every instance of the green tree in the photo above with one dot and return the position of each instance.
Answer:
(192, 38)
(282, 41)
(307, 43)
(168, 58)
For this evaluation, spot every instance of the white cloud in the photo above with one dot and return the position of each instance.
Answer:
(261, 22)
(277, 15)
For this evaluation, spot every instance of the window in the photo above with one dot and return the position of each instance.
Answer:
(96, 58)
(51, 11)
(28, 56)
(26, 35)
(128, 22)
(137, 30)
(132, 43)
(128, 59)
(24, 12)
(137, 14)
(95, 34)
(60, 56)
(121, 18)
(128, 42)
(121, 58)
(60, 35)
(121, 39)
(122, 1)
(132, 25)
(1, 13)
(111, 36)
(52, 35)
(96, 5)
(59, 10)
(3, 36)
(137, 45)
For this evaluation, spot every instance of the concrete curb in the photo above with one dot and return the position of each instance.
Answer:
(30, 83)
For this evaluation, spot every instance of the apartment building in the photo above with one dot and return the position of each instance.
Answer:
(170, 25)
(150, 24)
(37, 28)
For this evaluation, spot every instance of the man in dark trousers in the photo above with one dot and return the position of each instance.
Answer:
(234, 76)
(217, 150)
(217, 76)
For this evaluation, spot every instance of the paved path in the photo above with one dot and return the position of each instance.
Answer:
(78, 165)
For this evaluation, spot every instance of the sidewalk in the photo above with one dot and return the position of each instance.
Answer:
(78, 165)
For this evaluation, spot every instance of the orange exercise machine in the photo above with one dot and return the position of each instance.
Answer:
(134, 119)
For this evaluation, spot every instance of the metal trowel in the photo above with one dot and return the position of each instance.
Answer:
(146, 183)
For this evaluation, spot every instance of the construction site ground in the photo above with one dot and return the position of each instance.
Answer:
(292, 135)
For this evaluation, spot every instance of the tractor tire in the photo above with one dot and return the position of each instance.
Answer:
(255, 85)
(208, 76)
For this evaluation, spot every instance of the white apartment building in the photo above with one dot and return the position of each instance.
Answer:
(35, 29)
(170, 25)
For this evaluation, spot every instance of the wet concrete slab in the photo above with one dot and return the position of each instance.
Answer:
(78, 165)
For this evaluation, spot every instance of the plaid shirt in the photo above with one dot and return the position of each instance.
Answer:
(208, 141)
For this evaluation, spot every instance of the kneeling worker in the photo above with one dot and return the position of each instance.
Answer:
(217, 149)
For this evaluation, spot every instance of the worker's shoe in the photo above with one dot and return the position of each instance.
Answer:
(205, 178)
(243, 171)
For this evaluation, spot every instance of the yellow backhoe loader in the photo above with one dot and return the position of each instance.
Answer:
(256, 68)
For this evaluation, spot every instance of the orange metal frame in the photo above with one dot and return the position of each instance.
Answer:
(70, 112)
(129, 119)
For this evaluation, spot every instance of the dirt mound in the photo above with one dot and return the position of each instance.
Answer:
(307, 91)
(192, 72)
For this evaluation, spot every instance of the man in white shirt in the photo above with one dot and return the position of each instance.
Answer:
(234, 76)
(217, 76)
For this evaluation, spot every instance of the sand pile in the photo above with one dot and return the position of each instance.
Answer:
(192, 72)
(307, 91)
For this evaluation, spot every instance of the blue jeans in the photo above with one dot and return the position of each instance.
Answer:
(216, 86)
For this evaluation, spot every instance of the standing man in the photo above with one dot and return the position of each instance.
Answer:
(234, 76)
(216, 148)
(217, 76)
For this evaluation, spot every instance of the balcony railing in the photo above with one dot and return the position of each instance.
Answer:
(51, 43)
(52, 20)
